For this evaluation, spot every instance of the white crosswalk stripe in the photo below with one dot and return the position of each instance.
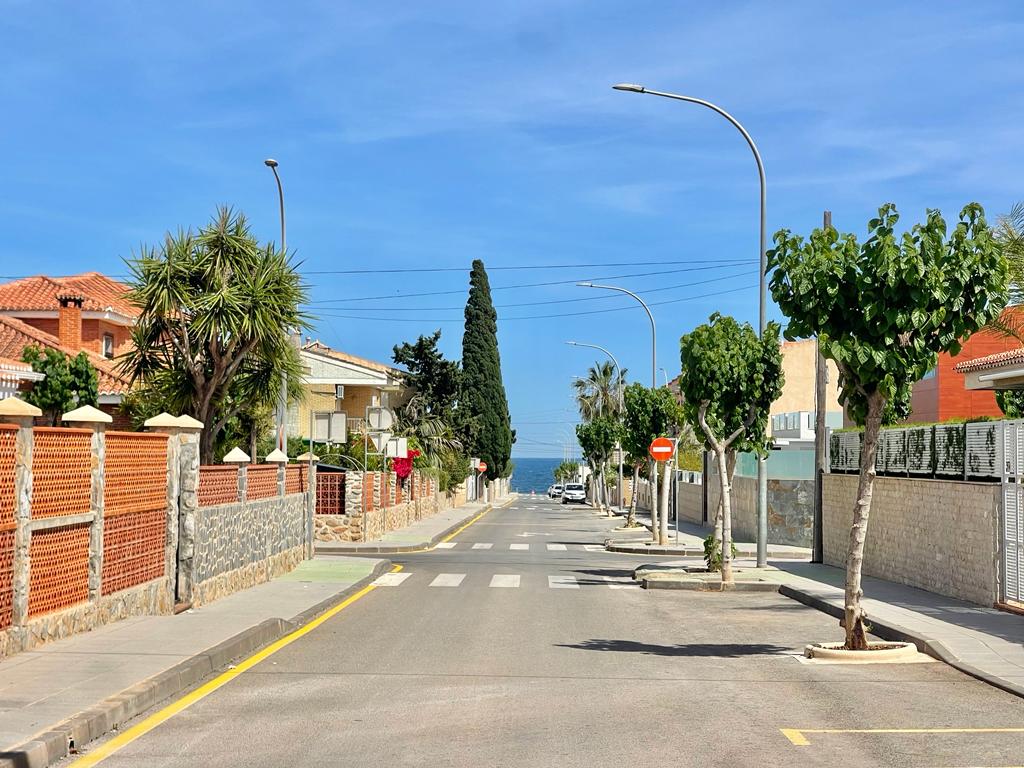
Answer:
(556, 547)
(563, 582)
(482, 546)
(519, 547)
(594, 547)
(505, 580)
(391, 579)
(445, 545)
(448, 580)
(621, 582)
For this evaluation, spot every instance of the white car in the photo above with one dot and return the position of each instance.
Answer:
(555, 491)
(574, 492)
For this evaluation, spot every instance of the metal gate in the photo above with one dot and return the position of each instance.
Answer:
(1013, 512)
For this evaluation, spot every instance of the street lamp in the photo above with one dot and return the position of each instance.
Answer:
(665, 374)
(654, 332)
(762, 473)
(282, 400)
(618, 377)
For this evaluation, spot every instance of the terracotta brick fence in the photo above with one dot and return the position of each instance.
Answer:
(98, 525)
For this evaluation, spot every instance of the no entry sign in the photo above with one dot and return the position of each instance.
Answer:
(482, 466)
(660, 449)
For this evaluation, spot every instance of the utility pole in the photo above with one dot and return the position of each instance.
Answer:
(820, 448)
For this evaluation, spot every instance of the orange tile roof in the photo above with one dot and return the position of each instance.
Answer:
(999, 359)
(40, 293)
(316, 346)
(15, 335)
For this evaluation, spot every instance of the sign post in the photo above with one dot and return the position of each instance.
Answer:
(481, 467)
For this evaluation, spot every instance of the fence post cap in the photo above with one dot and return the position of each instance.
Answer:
(308, 457)
(87, 414)
(161, 420)
(277, 456)
(187, 422)
(236, 456)
(14, 406)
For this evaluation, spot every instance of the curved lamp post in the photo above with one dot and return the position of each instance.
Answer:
(654, 332)
(762, 474)
(282, 400)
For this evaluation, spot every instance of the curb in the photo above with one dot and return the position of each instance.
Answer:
(895, 632)
(66, 737)
(645, 549)
(697, 585)
(324, 548)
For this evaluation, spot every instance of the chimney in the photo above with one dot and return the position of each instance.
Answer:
(69, 321)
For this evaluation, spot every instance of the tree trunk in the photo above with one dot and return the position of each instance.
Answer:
(726, 488)
(853, 614)
(653, 475)
(666, 487)
(631, 518)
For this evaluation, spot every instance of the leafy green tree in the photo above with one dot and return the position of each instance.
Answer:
(729, 380)
(597, 439)
(483, 392)
(1011, 402)
(883, 310)
(566, 471)
(600, 392)
(69, 383)
(647, 414)
(437, 379)
(216, 310)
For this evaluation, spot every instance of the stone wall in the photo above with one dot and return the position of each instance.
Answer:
(939, 535)
(790, 508)
(244, 544)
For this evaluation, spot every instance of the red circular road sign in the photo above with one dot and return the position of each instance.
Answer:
(481, 467)
(660, 449)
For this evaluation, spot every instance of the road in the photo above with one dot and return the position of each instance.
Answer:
(524, 644)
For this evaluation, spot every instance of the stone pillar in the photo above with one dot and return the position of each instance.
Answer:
(188, 507)
(392, 479)
(166, 424)
(376, 489)
(15, 411)
(88, 417)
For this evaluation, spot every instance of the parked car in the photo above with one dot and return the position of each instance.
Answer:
(555, 491)
(574, 492)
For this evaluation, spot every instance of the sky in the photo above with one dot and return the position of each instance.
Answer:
(416, 135)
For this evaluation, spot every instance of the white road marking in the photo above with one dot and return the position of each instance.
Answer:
(445, 545)
(594, 547)
(556, 547)
(391, 579)
(505, 580)
(519, 546)
(448, 580)
(563, 582)
(482, 546)
(621, 582)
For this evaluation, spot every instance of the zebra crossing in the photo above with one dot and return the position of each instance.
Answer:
(521, 547)
(508, 581)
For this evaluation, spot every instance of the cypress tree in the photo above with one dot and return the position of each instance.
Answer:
(483, 392)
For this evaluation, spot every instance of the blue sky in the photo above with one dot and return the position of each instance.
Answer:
(429, 134)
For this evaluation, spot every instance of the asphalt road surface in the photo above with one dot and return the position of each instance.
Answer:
(524, 644)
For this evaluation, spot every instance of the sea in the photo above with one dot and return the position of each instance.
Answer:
(531, 474)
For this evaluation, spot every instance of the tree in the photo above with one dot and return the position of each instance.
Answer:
(69, 383)
(483, 393)
(729, 380)
(883, 310)
(216, 310)
(428, 372)
(597, 439)
(648, 413)
(1011, 402)
(566, 471)
(600, 392)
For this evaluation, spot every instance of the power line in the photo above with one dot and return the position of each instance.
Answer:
(539, 317)
(401, 270)
(462, 291)
(550, 301)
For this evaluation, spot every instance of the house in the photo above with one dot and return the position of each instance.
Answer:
(942, 395)
(339, 387)
(14, 376)
(1002, 370)
(791, 418)
(80, 313)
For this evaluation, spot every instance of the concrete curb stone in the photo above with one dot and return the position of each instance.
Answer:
(891, 631)
(89, 725)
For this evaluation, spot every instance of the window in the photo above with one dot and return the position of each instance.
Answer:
(108, 345)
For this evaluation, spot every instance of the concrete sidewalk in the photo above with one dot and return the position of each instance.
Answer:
(420, 535)
(82, 687)
(691, 542)
(983, 642)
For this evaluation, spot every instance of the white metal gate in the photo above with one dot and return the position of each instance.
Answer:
(1013, 511)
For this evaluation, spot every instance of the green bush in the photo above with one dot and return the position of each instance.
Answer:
(713, 553)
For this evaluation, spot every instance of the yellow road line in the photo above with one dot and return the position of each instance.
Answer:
(107, 749)
(453, 534)
(797, 735)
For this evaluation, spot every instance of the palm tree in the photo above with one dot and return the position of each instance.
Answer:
(600, 393)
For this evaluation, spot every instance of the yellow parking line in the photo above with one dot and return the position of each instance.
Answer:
(107, 749)
(453, 534)
(798, 738)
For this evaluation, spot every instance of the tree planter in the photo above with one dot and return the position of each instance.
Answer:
(877, 653)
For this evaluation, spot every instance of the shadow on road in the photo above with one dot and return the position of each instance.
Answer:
(720, 650)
